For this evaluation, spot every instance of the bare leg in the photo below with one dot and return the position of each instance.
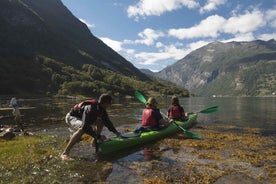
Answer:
(99, 128)
(18, 122)
(74, 139)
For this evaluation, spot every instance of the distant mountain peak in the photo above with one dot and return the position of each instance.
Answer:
(229, 69)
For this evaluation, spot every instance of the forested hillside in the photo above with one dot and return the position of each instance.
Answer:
(45, 50)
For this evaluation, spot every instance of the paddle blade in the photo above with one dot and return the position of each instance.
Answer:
(209, 110)
(140, 97)
(192, 135)
(189, 134)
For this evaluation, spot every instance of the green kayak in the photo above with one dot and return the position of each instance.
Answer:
(114, 144)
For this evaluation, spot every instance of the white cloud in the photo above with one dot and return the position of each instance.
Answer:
(206, 28)
(148, 36)
(270, 16)
(244, 23)
(197, 45)
(115, 45)
(241, 37)
(211, 5)
(174, 52)
(236, 10)
(157, 7)
(87, 23)
(150, 58)
(130, 51)
(159, 44)
(165, 53)
(213, 26)
(162, 55)
(267, 36)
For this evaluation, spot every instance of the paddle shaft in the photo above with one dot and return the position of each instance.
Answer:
(184, 130)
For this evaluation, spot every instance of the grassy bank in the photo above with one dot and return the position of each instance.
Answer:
(28, 159)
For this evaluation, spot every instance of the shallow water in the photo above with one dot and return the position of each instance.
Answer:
(47, 117)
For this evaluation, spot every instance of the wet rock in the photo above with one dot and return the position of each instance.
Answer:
(268, 132)
(236, 177)
(7, 135)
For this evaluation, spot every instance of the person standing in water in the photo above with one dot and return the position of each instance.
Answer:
(16, 113)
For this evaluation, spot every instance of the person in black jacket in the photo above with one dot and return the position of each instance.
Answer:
(86, 114)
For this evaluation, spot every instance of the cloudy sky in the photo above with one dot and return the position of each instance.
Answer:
(153, 34)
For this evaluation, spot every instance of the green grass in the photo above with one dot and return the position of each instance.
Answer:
(30, 159)
(24, 150)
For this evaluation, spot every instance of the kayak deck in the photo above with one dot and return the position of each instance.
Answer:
(114, 144)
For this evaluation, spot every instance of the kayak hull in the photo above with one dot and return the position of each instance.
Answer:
(114, 144)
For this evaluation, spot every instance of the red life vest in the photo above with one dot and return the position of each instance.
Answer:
(148, 118)
(78, 109)
(175, 112)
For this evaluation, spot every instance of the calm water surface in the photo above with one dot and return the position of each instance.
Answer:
(253, 112)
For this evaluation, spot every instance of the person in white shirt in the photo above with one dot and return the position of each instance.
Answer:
(16, 113)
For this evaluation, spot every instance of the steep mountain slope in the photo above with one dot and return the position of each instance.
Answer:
(31, 30)
(234, 68)
(147, 72)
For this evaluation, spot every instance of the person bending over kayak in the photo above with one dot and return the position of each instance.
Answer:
(86, 114)
(176, 111)
(152, 117)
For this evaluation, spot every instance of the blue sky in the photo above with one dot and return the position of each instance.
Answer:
(153, 34)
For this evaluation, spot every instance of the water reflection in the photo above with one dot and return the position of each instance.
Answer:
(239, 111)
(148, 154)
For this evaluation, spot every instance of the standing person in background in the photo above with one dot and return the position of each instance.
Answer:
(86, 114)
(16, 113)
(176, 111)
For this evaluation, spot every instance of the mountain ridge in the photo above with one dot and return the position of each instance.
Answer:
(45, 49)
(49, 28)
(226, 69)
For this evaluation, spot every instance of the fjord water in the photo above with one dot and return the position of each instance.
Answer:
(252, 112)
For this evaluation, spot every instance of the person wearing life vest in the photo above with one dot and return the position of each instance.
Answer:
(85, 114)
(176, 111)
(74, 117)
(151, 117)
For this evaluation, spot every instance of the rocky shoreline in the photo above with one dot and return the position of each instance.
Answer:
(225, 155)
